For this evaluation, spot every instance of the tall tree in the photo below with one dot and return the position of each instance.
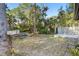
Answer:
(38, 15)
(31, 16)
(61, 16)
(10, 19)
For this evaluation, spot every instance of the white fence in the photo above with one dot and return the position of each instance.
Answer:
(68, 30)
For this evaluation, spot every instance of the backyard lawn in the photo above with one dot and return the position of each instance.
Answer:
(40, 45)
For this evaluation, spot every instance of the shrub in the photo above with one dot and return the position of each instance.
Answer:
(74, 52)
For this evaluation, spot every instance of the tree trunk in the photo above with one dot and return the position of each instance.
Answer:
(3, 29)
(76, 11)
(34, 21)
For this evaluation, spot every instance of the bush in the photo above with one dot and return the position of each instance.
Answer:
(43, 31)
(74, 52)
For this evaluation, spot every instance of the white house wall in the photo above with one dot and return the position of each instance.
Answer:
(68, 30)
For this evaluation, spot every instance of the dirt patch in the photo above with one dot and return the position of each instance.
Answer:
(41, 45)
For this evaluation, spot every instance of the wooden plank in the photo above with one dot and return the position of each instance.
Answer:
(14, 32)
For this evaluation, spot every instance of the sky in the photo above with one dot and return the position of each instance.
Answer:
(52, 11)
